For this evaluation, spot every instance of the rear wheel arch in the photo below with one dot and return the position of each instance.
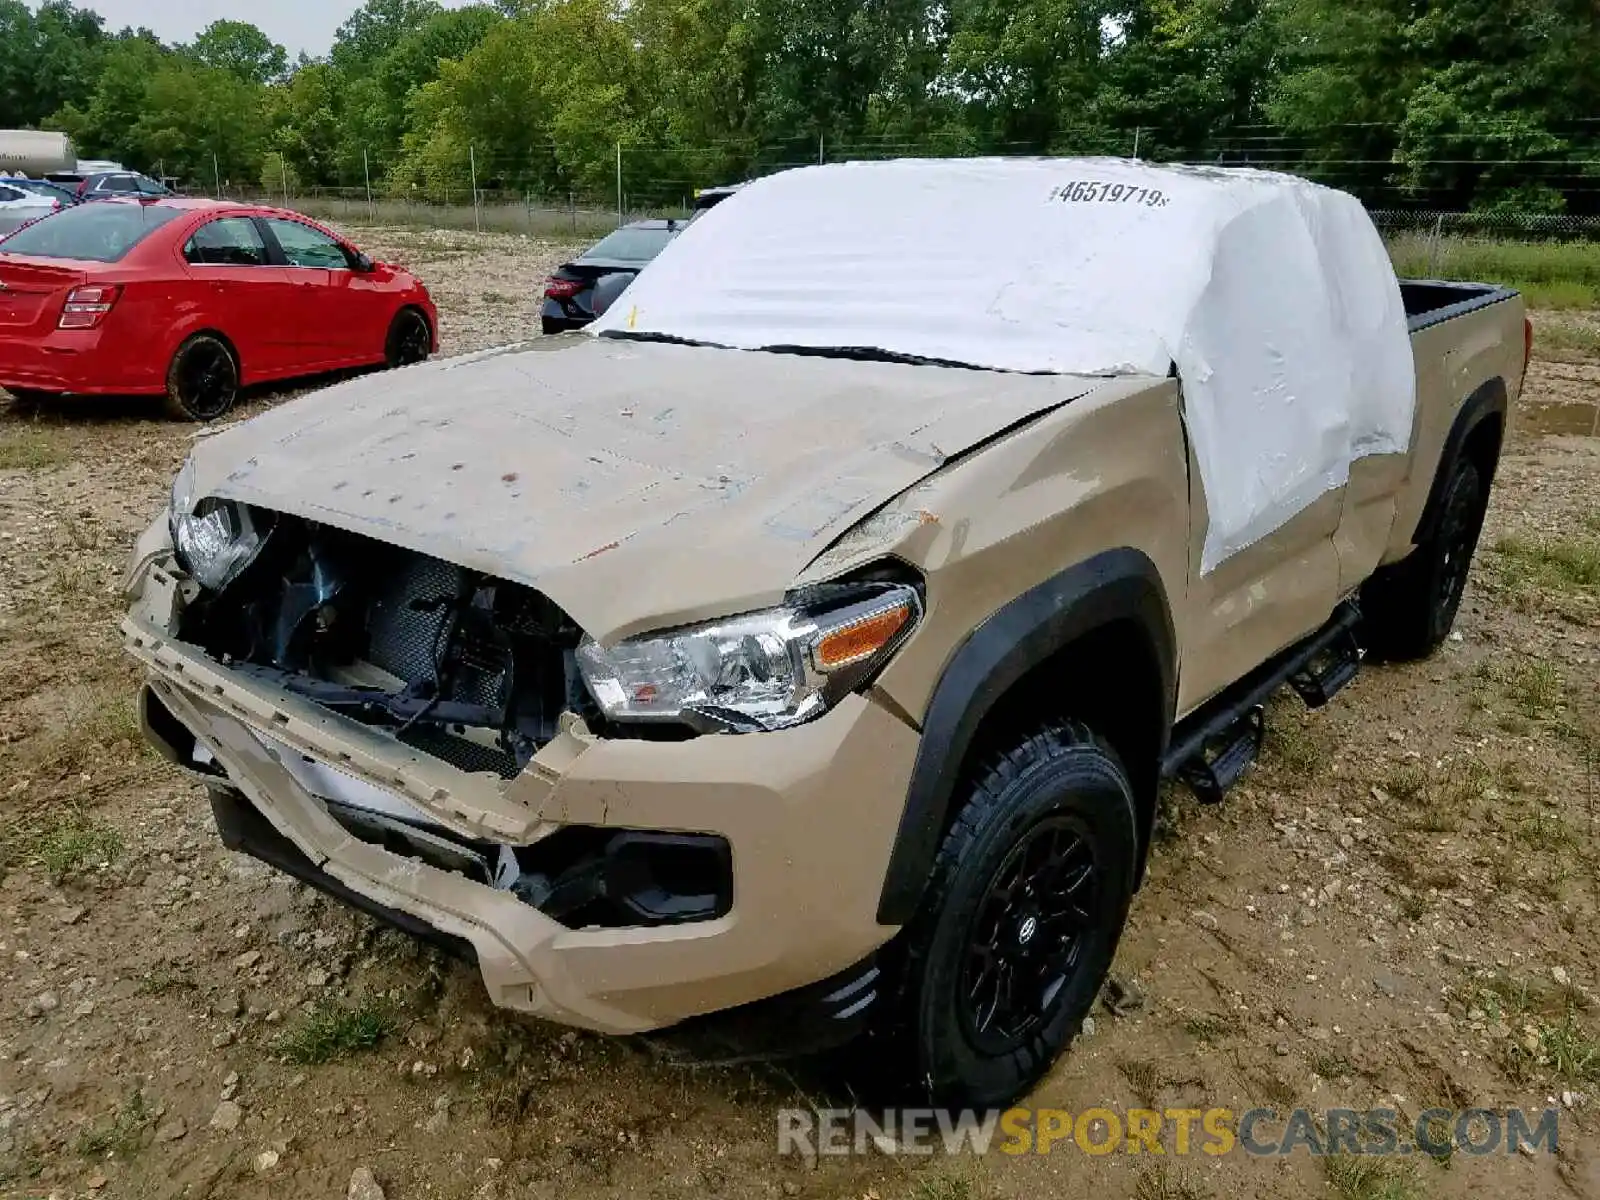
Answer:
(1094, 644)
(187, 332)
(1477, 433)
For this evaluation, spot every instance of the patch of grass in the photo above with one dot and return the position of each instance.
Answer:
(334, 1031)
(1437, 802)
(1210, 1027)
(1548, 832)
(1330, 1065)
(31, 450)
(1296, 749)
(1534, 686)
(1414, 870)
(1564, 335)
(163, 983)
(1562, 296)
(1550, 274)
(1551, 883)
(122, 1136)
(1572, 1053)
(1413, 907)
(1560, 1048)
(942, 1183)
(73, 843)
(1162, 1182)
(26, 1162)
(1355, 1177)
(98, 733)
(1560, 564)
(1441, 1135)
(1508, 997)
(1144, 1077)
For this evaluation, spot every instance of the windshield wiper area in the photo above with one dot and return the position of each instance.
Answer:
(875, 354)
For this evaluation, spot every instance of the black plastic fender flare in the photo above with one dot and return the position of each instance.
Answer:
(1114, 586)
(1489, 402)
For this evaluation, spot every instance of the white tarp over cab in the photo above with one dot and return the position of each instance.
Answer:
(1273, 297)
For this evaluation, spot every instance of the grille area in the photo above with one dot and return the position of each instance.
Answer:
(396, 639)
(406, 640)
(461, 753)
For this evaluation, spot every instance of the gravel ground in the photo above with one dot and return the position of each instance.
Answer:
(1395, 910)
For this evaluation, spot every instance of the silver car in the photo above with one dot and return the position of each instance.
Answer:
(19, 208)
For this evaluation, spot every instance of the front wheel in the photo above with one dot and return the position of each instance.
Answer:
(1021, 919)
(203, 379)
(410, 339)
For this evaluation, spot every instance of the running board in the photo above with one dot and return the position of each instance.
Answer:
(1223, 760)
(1215, 745)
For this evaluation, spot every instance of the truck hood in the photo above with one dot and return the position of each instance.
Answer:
(638, 485)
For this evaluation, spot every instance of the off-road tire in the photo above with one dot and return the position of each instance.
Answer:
(1063, 777)
(203, 379)
(1408, 609)
(410, 339)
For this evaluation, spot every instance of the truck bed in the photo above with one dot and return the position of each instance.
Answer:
(1432, 301)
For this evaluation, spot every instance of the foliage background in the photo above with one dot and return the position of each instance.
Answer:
(1458, 104)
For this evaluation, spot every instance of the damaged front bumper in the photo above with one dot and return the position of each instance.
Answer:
(806, 818)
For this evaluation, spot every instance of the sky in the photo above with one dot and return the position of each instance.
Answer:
(294, 24)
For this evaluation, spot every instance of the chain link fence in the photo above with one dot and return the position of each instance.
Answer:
(647, 184)
(1506, 225)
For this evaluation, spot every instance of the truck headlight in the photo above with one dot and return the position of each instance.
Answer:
(215, 539)
(767, 670)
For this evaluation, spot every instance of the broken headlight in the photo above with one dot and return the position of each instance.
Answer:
(215, 539)
(767, 670)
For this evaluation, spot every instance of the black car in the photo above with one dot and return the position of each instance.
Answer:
(708, 198)
(107, 184)
(569, 293)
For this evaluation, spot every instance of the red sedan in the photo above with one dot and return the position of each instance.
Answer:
(194, 299)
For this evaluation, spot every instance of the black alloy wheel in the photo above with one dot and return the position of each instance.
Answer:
(203, 380)
(1028, 936)
(410, 339)
(1016, 929)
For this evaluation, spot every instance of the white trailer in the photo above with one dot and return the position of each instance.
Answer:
(35, 152)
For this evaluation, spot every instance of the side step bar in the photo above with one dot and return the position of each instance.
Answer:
(1214, 746)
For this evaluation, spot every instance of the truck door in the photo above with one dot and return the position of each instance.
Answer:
(1263, 599)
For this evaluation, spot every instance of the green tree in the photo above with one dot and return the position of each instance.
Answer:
(202, 124)
(309, 134)
(376, 28)
(1189, 77)
(48, 59)
(378, 106)
(103, 127)
(241, 49)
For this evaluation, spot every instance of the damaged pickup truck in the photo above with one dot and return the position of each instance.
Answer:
(811, 637)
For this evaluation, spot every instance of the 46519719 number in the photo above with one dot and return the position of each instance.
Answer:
(1083, 191)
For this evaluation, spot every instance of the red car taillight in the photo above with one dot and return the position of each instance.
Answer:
(86, 307)
(557, 288)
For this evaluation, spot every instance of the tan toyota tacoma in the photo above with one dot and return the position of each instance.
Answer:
(664, 673)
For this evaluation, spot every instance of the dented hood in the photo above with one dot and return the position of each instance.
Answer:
(638, 485)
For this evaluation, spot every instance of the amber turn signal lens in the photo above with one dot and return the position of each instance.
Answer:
(862, 639)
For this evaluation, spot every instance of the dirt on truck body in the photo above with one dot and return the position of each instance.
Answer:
(666, 679)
